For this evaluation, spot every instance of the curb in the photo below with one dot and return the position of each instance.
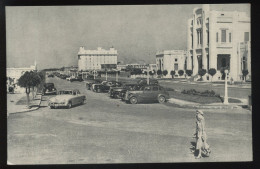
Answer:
(27, 110)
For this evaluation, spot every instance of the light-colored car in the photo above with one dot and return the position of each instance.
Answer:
(66, 98)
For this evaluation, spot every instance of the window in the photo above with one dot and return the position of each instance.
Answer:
(223, 35)
(229, 37)
(147, 88)
(217, 37)
(246, 36)
(176, 60)
(176, 66)
(155, 88)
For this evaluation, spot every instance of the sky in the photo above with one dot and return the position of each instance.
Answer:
(52, 35)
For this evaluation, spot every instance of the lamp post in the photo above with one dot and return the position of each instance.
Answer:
(226, 89)
(106, 74)
(148, 75)
(116, 76)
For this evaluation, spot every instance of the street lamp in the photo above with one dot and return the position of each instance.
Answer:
(226, 88)
(148, 75)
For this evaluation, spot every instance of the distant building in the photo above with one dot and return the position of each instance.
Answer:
(244, 61)
(171, 60)
(213, 39)
(137, 66)
(97, 59)
(13, 74)
(121, 67)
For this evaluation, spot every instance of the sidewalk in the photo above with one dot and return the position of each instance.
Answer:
(12, 107)
(187, 104)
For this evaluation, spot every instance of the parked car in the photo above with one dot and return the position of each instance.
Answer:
(147, 93)
(114, 92)
(123, 92)
(151, 82)
(49, 89)
(76, 79)
(51, 75)
(66, 98)
(90, 82)
(105, 86)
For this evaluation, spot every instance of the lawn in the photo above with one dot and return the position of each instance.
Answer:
(200, 99)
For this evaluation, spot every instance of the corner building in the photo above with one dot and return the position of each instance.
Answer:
(213, 41)
(171, 60)
(97, 59)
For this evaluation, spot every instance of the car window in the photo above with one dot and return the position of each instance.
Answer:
(161, 88)
(155, 88)
(147, 88)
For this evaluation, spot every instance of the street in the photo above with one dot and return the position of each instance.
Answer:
(106, 130)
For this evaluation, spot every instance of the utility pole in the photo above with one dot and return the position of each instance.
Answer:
(226, 88)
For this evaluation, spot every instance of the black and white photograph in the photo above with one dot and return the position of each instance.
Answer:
(127, 84)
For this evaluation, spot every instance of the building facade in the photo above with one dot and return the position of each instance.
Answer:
(13, 74)
(97, 59)
(213, 38)
(171, 60)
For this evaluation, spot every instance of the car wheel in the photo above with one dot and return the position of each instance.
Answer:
(51, 107)
(83, 101)
(133, 100)
(161, 99)
(69, 105)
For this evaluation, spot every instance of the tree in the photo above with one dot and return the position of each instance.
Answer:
(165, 72)
(212, 72)
(202, 72)
(159, 72)
(245, 73)
(180, 72)
(172, 73)
(189, 72)
(28, 80)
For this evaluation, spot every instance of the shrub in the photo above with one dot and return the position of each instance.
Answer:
(172, 73)
(189, 72)
(159, 72)
(207, 93)
(165, 72)
(180, 72)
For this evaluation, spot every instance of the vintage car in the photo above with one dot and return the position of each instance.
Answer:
(89, 83)
(105, 86)
(67, 98)
(115, 92)
(123, 92)
(147, 93)
(50, 75)
(79, 78)
(151, 82)
(49, 89)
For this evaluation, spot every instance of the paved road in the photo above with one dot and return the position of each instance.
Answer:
(107, 130)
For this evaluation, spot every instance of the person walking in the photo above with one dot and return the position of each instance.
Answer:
(201, 136)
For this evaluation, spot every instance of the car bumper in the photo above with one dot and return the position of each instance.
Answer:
(55, 105)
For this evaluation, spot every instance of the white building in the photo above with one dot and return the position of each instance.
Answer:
(213, 38)
(13, 74)
(97, 59)
(171, 60)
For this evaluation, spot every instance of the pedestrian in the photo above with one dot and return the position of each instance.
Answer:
(202, 146)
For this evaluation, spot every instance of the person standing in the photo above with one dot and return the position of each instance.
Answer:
(200, 135)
